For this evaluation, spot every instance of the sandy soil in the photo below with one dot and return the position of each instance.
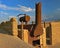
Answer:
(7, 41)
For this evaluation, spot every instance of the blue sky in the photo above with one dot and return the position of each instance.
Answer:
(11, 8)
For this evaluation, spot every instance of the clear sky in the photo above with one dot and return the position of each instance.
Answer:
(11, 8)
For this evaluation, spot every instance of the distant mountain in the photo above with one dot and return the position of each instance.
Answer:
(51, 19)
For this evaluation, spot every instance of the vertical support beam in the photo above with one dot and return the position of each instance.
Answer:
(14, 26)
(22, 29)
(25, 35)
(41, 41)
(44, 37)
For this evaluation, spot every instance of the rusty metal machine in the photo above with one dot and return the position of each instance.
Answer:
(25, 18)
